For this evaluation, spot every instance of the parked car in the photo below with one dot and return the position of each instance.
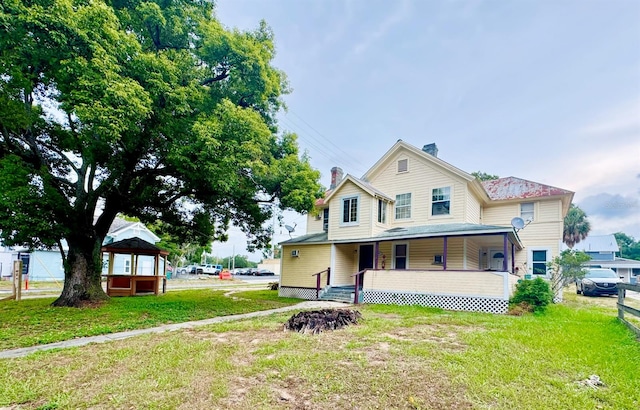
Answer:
(598, 281)
(252, 271)
(264, 272)
(211, 269)
(187, 269)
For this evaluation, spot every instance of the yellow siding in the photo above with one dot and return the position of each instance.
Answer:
(544, 232)
(489, 284)
(298, 271)
(422, 251)
(455, 255)
(420, 179)
(344, 265)
(473, 254)
(473, 209)
(363, 228)
(314, 224)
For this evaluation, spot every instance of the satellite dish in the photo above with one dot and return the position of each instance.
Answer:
(517, 223)
(290, 228)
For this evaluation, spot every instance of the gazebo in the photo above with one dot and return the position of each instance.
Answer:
(143, 268)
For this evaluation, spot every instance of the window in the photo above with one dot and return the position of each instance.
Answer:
(437, 260)
(539, 265)
(441, 201)
(325, 220)
(403, 165)
(127, 267)
(526, 211)
(350, 210)
(403, 206)
(382, 211)
(400, 256)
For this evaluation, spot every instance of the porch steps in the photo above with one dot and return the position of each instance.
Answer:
(339, 294)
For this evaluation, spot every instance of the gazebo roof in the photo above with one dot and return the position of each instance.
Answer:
(134, 246)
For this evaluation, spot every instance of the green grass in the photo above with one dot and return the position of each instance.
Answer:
(397, 357)
(33, 321)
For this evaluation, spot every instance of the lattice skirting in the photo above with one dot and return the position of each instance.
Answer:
(447, 302)
(300, 293)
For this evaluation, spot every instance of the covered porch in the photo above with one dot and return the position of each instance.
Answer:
(462, 267)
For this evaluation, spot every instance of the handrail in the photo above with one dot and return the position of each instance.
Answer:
(359, 280)
(318, 276)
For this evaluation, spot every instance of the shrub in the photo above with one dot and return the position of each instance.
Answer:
(273, 285)
(536, 293)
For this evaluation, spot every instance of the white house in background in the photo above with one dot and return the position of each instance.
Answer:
(602, 249)
(46, 265)
(417, 230)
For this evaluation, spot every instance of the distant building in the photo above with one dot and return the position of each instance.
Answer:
(602, 249)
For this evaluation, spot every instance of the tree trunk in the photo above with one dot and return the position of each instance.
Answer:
(82, 273)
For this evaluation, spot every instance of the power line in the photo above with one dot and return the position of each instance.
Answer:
(337, 147)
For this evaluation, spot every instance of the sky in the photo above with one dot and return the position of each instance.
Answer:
(547, 91)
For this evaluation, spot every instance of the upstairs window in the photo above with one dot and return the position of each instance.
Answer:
(403, 165)
(403, 206)
(441, 201)
(350, 210)
(526, 211)
(382, 211)
(325, 219)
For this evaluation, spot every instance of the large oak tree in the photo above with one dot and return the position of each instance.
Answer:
(152, 109)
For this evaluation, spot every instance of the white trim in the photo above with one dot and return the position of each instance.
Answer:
(440, 216)
(530, 260)
(341, 216)
(395, 207)
(393, 254)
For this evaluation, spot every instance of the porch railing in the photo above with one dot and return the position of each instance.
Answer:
(359, 281)
(319, 278)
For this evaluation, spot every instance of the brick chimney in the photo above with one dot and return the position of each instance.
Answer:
(336, 177)
(431, 149)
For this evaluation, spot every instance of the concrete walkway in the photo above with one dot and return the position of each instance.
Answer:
(13, 353)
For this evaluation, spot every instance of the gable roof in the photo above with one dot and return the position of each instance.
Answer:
(365, 186)
(400, 145)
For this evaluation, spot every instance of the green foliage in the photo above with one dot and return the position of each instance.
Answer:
(33, 321)
(565, 268)
(483, 176)
(576, 226)
(629, 247)
(536, 293)
(150, 109)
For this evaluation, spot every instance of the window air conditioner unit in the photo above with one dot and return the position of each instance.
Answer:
(295, 253)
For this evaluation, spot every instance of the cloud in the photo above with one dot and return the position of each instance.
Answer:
(395, 18)
(610, 206)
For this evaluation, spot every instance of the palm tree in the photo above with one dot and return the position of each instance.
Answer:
(576, 226)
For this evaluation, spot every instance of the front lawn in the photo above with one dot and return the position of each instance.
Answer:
(33, 321)
(396, 358)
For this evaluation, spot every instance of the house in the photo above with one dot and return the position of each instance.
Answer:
(46, 264)
(602, 250)
(417, 230)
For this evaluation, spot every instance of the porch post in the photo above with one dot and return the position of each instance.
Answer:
(444, 254)
(375, 258)
(504, 252)
(513, 258)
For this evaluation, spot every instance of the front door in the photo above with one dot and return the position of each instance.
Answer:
(496, 260)
(365, 260)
